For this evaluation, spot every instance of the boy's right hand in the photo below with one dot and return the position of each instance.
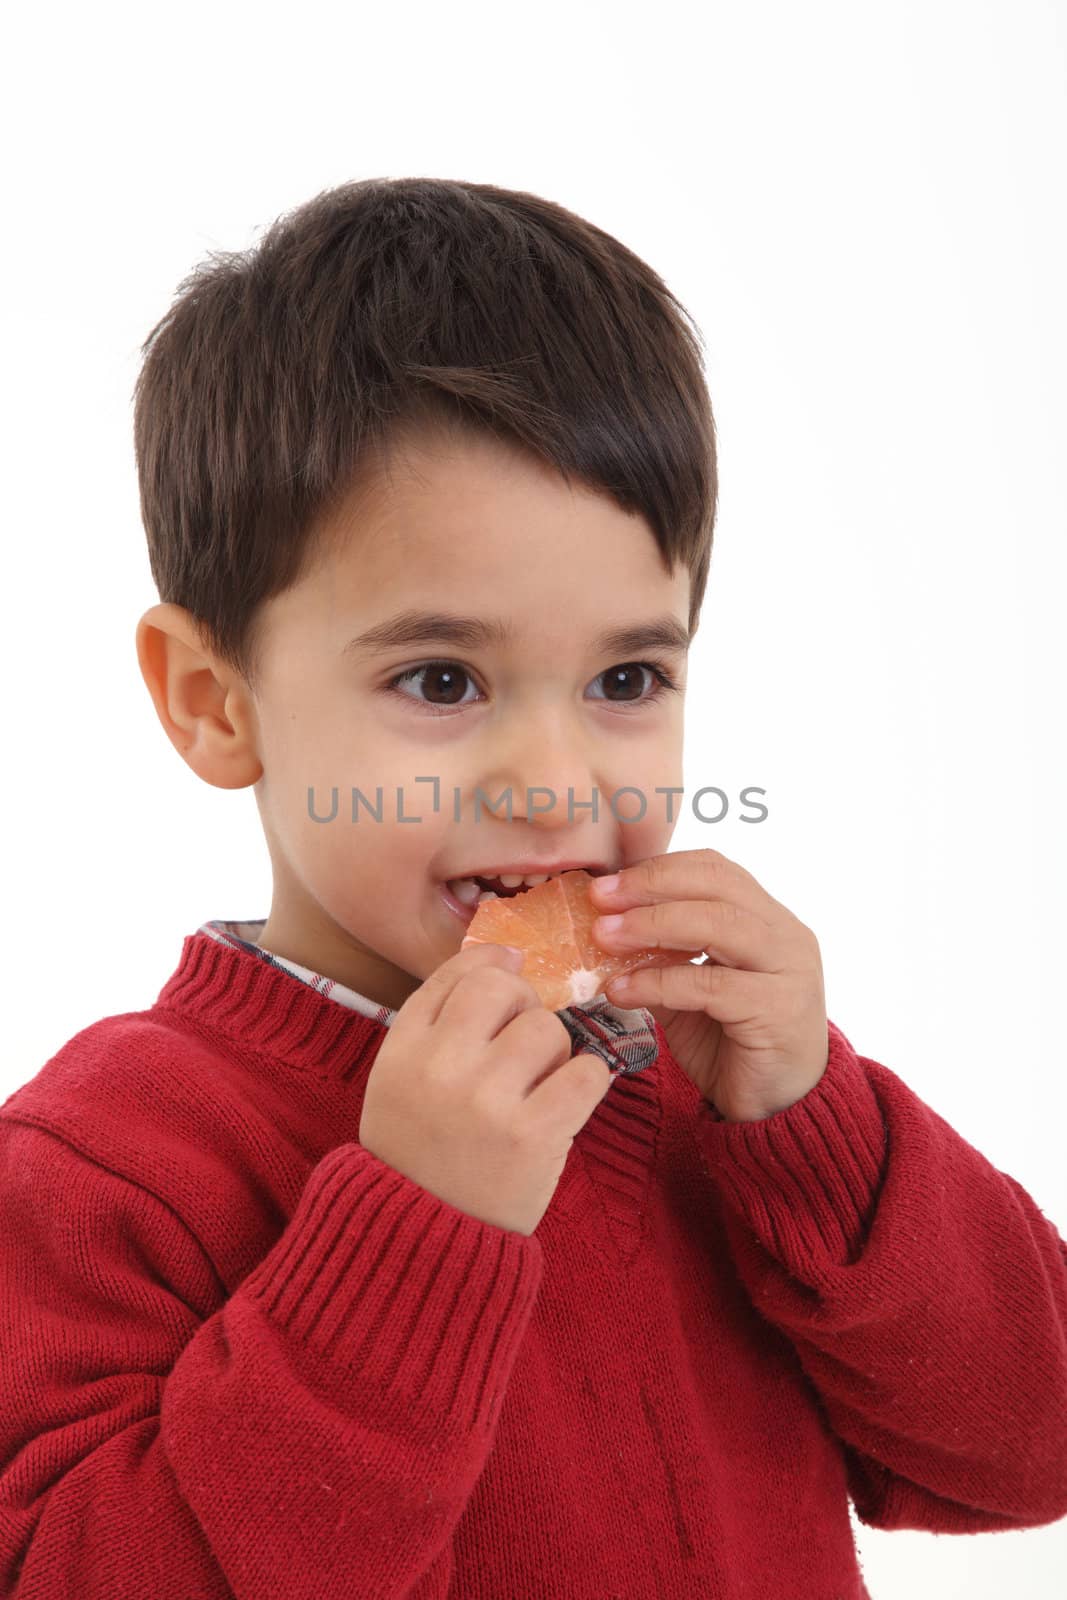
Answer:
(474, 1094)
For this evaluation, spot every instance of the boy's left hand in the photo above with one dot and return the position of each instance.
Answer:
(748, 1024)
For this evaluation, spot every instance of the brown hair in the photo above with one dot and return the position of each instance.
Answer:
(379, 307)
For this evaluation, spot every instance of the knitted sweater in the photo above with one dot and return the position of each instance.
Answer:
(241, 1356)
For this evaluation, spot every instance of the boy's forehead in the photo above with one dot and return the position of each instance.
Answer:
(468, 503)
(457, 482)
(474, 528)
(419, 591)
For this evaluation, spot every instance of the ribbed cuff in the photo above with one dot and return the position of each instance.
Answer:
(806, 1179)
(423, 1301)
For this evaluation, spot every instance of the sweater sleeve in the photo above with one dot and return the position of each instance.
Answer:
(923, 1290)
(321, 1429)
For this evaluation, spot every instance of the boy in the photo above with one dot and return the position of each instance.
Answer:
(348, 1268)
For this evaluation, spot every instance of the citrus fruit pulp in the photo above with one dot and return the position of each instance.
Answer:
(552, 924)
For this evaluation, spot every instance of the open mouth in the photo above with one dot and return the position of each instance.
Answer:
(465, 895)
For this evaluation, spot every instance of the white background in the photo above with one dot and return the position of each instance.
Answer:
(863, 208)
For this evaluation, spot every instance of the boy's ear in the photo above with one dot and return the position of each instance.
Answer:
(205, 707)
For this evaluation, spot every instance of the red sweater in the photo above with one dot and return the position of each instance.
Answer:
(244, 1357)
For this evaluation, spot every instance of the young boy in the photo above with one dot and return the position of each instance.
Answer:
(349, 1268)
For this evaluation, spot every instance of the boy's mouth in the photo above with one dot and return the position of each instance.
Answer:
(464, 895)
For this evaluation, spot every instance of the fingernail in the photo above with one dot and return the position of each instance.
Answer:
(608, 925)
(608, 885)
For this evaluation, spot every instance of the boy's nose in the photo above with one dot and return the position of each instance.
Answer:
(558, 796)
(545, 773)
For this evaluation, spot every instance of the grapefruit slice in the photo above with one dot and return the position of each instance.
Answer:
(552, 923)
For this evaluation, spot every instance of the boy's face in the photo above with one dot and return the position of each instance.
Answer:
(474, 529)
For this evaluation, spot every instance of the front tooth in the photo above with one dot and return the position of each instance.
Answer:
(511, 880)
(465, 889)
(532, 881)
(487, 894)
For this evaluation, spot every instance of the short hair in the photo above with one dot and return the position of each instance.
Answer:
(378, 308)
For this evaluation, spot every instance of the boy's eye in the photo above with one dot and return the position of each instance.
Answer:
(619, 680)
(447, 680)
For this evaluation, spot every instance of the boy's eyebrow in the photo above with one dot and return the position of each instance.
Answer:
(480, 633)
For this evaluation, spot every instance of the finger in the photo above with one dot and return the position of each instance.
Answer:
(686, 875)
(479, 1007)
(729, 994)
(425, 1004)
(537, 1044)
(573, 1090)
(727, 932)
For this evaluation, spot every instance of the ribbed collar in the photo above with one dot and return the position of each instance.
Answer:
(265, 1009)
(248, 995)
